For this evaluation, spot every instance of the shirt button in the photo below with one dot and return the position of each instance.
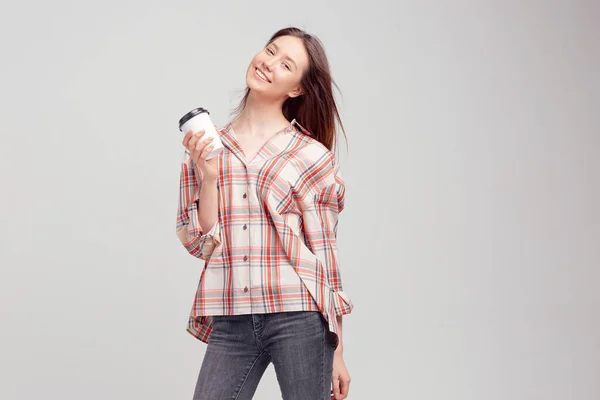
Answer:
(246, 289)
(245, 258)
(244, 196)
(245, 226)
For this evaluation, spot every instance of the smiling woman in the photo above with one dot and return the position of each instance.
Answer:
(297, 66)
(263, 215)
(288, 65)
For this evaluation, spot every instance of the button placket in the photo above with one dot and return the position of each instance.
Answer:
(247, 238)
(245, 227)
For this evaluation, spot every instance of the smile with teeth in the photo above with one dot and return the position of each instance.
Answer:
(261, 75)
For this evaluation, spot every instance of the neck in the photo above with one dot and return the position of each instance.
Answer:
(260, 117)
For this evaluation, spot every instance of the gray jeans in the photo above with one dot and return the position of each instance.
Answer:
(240, 348)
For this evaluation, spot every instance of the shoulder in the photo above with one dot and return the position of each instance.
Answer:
(316, 164)
(312, 152)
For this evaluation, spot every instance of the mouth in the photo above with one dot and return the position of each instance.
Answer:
(261, 75)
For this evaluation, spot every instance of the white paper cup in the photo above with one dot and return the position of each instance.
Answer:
(198, 119)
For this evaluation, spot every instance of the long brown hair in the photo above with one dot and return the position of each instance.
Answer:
(315, 109)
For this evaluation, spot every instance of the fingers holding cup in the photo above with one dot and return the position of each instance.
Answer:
(199, 123)
(196, 137)
(199, 134)
(207, 149)
(201, 144)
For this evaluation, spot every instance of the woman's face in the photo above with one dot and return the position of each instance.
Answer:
(276, 71)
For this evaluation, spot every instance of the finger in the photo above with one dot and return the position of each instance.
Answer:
(195, 154)
(198, 134)
(198, 160)
(344, 387)
(193, 140)
(202, 143)
(190, 146)
(207, 151)
(336, 388)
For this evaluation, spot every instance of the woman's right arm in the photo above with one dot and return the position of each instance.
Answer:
(209, 198)
(198, 199)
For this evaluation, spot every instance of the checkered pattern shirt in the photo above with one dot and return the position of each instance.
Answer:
(273, 247)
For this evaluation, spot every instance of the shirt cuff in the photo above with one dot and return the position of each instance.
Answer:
(194, 229)
(202, 246)
(191, 233)
(342, 303)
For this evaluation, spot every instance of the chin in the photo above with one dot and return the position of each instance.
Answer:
(252, 84)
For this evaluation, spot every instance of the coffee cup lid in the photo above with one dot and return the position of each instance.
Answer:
(191, 115)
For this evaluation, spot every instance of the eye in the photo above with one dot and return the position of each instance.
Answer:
(287, 67)
(270, 51)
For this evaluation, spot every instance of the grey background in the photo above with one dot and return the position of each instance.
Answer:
(470, 241)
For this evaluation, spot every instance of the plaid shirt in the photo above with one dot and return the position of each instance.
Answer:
(273, 247)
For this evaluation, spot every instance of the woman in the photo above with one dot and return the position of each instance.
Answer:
(263, 217)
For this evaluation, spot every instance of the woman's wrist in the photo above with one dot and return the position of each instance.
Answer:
(207, 179)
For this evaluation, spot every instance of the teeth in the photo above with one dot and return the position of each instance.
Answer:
(261, 74)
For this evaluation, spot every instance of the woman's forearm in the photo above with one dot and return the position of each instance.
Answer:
(208, 211)
(340, 347)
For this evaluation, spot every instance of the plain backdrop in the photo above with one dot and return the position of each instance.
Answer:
(470, 242)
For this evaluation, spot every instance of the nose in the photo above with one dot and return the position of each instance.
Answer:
(268, 64)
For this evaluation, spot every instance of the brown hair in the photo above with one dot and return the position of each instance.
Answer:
(315, 109)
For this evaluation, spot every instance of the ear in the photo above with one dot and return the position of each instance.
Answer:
(296, 92)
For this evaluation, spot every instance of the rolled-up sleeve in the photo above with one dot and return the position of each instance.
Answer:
(320, 223)
(195, 239)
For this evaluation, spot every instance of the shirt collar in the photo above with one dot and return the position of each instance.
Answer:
(274, 145)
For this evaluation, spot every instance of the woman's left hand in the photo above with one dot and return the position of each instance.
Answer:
(340, 378)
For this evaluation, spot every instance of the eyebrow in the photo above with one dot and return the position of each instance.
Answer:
(288, 57)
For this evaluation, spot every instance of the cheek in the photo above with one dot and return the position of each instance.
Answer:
(255, 61)
(280, 76)
(252, 64)
(287, 81)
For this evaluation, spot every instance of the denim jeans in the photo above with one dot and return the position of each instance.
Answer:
(240, 348)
